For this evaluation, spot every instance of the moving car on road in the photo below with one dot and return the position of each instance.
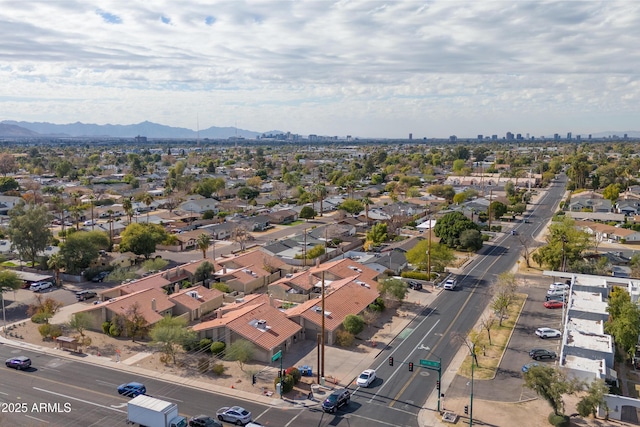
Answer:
(234, 414)
(336, 399)
(203, 421)
(548, 333)
(18, 362)
(450, 284)
(366, 378)
(132, 389)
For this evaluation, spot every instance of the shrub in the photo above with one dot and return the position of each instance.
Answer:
(205, 345)
(217, 347)
(418, 275)
(344, 339)
(295, 373)
(287, 383)
(106, 326)
(49, 331)
(40, 318)
(559, 420)
(218, 369)
(114, 331)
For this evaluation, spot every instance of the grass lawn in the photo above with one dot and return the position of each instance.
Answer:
(299, 221)
(489, 356)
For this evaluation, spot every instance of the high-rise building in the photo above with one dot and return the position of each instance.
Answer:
(410, 136)
(569, 136)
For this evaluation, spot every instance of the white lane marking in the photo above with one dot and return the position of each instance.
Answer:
(37, 419)
(122, 405)
(107, 383)
(294, 418)
(2, 392)
(404, 361)
(170, 398)
(79, 400)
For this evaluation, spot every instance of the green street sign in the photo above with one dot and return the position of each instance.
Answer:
(430, 363)
(276, 356)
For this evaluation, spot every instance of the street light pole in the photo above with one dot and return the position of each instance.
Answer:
(471, 397)
(4, 318)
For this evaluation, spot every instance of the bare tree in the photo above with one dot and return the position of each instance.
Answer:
(487, 324)
(241, 235)
(526, 248)
(472, 340)
(279, 190)
(135, 322)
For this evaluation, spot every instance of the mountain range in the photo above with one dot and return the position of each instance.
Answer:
(14, 129)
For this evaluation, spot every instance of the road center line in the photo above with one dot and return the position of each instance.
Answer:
(37, 419)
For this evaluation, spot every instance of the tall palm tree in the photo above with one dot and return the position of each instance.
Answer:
(110, 212)
(92, 199)
(366, 201)
(147, 199)
(203, 242)
(128, 208)
(56, 262)
(321, 193)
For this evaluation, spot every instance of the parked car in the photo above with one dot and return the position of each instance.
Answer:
(366, 378)
(18, 362)
(412, 284)
(557, 291)
(132, 389)
(336, 399)
(553, 304)
(40, 286)
(556, 298)
(234, 414)
(548, 333)
(559, 285)
(514, 233)
(204, 421)
(450, 284)
(85, 295)
(541, 353)
(100, 276)
(528, 366)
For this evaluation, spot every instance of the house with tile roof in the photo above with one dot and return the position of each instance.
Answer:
(196, 302)
(256, 321)
(342, 298)
(250, 271)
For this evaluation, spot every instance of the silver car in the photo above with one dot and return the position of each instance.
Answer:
(234, 414)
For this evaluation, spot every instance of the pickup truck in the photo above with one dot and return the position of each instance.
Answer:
(151, 412)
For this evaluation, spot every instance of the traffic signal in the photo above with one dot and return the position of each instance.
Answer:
(438, 385)
(253, 379)
(466, 409)
(391, 361)
(411, 366)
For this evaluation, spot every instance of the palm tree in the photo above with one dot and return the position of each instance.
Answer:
(321, 192)
(203, 242)
(110, 212)
(56, 262)
(366, 201)
(147, 199)
(128, 208)
(92, 199)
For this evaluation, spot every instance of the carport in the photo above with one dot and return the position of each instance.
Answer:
(33, 277)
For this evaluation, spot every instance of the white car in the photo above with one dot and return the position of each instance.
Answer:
(235, 415)
(366, 378)
(557, 292)
(450, 284)
(559, 286)
(40, 286)
(548, 333)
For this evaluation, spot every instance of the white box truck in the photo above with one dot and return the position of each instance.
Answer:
(151, 412)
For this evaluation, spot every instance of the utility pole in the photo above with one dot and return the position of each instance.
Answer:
(304, 250)
(489, 210)
(473, 355)
(429, 248)
(323, 330)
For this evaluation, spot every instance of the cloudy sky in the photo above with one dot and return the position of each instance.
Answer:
(364, 68)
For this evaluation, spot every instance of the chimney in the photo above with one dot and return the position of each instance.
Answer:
(317, 262)
(224, 270)
(153, 304)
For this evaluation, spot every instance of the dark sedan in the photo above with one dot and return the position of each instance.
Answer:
(541, 353)
(18, 362)
(203, 421)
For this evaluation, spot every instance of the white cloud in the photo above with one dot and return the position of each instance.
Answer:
(362, 67)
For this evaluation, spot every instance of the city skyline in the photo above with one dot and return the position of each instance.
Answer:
(368, 69)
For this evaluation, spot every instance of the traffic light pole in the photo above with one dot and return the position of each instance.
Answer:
(439, 379)
(471, 397)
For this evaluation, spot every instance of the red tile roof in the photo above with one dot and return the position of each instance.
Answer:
(184, 297)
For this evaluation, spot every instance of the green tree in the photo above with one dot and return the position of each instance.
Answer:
(611, 192)
(471, 240)
(80, 322)
(8, 184)
(141, 239)
(9, 280)
(378, 233)
(441, 256)
(593, 399)
(248, 193)
(497, 209)
(55, 263)
(353, 324)
(29, 230)
(81, 249)
(307, 212)
(169, 334)
(450, 226)
(394, 289)
(241, 351)
(446, 192)
(352, 206)
(203, 241)
(135, 324)
(505, 295)
(565, 245)
(625, 327)
(550, 384)
(203, 272)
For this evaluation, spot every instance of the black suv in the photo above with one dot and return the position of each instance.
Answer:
(336, 399)
(541, 353)
(85, 295)
(414, 285)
